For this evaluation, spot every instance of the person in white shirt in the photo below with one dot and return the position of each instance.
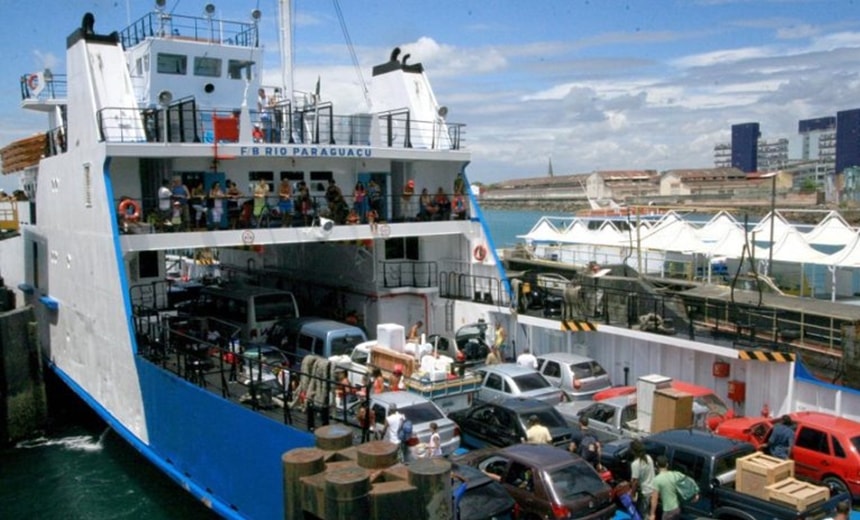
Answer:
(527, 359)
(391, 430)
(164, 195)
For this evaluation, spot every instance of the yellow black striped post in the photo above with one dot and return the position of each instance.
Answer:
(763, 355)
(577, 326)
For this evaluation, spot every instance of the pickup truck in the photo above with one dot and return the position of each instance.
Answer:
(448, 391)
(710, 460)
(609, 420)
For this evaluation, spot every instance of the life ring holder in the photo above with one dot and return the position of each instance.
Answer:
(123, 210)
(480, 252)
(33, 81)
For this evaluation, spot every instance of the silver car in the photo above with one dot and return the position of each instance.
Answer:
(507, 380)
(581, 377)
(609, 420)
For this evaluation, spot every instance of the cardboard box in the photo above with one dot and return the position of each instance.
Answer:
(797, 494)
(672, 409)
(757, 471)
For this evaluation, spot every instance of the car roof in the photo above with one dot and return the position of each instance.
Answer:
(565, 357)
(510, 369)
(826, 420)
(541, 455)
(620, 401)
(698, 441)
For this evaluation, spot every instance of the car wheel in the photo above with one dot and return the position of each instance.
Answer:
(835, 484)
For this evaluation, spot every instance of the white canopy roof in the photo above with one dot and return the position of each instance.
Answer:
(833, 230)
(792, 247)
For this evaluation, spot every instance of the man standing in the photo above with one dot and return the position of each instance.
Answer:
(664, 492)
(391, 430)
(499, 340)
(537, 433)
(527, 359)
(164, 201)
(493, 357)
(782, 438)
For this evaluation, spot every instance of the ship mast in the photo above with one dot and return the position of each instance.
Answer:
(286, 47)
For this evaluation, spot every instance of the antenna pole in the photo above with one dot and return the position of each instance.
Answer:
(286, 43)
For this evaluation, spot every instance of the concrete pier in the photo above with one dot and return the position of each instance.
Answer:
(23, 401)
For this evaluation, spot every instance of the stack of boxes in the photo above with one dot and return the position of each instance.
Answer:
(772, 479)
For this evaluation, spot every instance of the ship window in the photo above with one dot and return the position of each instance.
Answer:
(172, 63)
(235, 68)
(293, 176)
(148, 264)
(401, 248)
(268, 177)
(209, 67)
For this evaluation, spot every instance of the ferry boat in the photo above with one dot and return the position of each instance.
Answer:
(175, 98)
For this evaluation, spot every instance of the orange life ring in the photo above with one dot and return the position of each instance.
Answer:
(123, 210)
(480, 252)
(33, 81)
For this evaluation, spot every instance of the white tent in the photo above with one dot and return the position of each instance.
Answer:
(832, 231)
(780, 227)
(543, 231)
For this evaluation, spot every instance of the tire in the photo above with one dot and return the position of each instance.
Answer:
(836, 484)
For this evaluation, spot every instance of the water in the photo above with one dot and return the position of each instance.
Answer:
(81, 469)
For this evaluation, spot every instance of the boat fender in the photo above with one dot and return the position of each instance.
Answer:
(480, 252)
(33, 81)
(134, 216)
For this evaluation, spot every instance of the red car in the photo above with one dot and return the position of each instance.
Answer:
(717, 410)
(826, 447)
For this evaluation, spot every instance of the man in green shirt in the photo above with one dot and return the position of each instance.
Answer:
(665, 492)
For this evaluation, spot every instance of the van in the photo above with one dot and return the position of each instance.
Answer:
(300, 337)
(253, 309)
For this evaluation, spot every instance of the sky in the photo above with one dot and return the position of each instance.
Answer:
(587, 85)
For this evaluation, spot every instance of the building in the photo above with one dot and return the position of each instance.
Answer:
(634, 186)
(817, 138)
(745, 146)
(847, 139)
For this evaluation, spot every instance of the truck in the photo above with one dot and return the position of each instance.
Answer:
(710, 460)
(425, 372)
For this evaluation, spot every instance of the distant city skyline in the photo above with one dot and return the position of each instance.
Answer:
(594, 85)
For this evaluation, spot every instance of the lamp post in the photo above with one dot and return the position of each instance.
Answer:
(772, 218)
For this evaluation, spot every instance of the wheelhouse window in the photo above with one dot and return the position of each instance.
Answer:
(208, 67)
(239, 69)
(172, 63)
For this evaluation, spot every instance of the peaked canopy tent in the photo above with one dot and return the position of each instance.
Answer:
(831, 234)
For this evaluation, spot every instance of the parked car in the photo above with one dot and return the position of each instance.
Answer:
(552, 283)
(546, 482)
(263, 363)
(609, 420)
(505, 423)
(826, 447)
(421, 412)
(709, 409)
(470, 341)
(483, 498)
(752, 429)
(580, 376)
(505, 380)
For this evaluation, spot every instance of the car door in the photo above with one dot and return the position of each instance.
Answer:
(480, 427)
(551, 370)
(601, 421)
(811, 453)
(509, 430)
(494, 388)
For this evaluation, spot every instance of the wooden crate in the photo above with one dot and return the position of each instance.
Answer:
(672, 409)
(757, 471)
(797, 494)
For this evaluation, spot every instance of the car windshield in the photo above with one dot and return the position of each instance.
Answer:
(486, 500)
(548, 417)
(855, 441)
(586, 369)
(575, 480)
(422, 413)
(345, 344)
(528, 382)
(269, 307)
(713, 403)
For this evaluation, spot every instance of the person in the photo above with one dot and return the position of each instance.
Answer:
(359, 203)
(374, 197)
(493, 357)
(233, 195)
(782, 438)
(179, 194)
(164, 196)
(378, 382)
(415, 332)
(426, 207)
(216, 196)
(459, 207)
(372, 218)
(459, 185)
(584, 443)
(641, 477)
(261, 190)
(499, 340)
(665, 494)
(367, 421)
(537, 433)
(408, 193)
(344, 391)
(527, 359)
(395, 383)
(442, 204)
(392, 427)
(843, 510)
(285, 204)
(435, 441)
(352, 218)
(264, 112)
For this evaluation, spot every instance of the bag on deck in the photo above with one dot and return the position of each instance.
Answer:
(405, 431)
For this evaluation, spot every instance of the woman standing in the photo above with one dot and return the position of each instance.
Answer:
(360, 200)
(435, 441)
(641, 477)
(216, 195)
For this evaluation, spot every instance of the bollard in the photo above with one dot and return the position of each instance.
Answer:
(333, 437)
(347, 494)
(376, 454)
(432, 479)
(298, 463)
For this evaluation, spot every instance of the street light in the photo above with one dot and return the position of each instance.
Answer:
(772, 176)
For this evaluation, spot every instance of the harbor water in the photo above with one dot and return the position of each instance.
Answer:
(81, 469)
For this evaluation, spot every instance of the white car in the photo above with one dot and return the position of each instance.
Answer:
(263, 363)
(552, 282)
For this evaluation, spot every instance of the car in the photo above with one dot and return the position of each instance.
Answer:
(505, 380)
(263, 363)
(545, 481)
(421, 412)
(552, 282)
(479, 497)
(826, 447)
(580, 376)
(752, 429)
(505, 423)
(469, 345)
(708, 408)
(609, 420)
